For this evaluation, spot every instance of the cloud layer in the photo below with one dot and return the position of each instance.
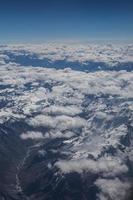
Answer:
(91, 112)
(78, 56)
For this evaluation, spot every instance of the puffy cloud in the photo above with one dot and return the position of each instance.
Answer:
(32, 135)
(108, 166)
(110, 54)
(112, 189)
(55, 133)
(91, 112)
(65, 122)
(42, 120)
(59, 122)
(62, 110)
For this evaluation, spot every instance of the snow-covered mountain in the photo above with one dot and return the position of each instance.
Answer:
(66, 133)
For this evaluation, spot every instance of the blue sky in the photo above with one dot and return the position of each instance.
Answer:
(49, 20)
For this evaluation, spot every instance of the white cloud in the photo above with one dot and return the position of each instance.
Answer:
(42, 120)
(112, 189)
(111, 54)
(108, 166)
(62, 110)
(91, 111)
(32, 135)
(59, 122)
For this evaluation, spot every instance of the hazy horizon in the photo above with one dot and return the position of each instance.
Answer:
(48, 20)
